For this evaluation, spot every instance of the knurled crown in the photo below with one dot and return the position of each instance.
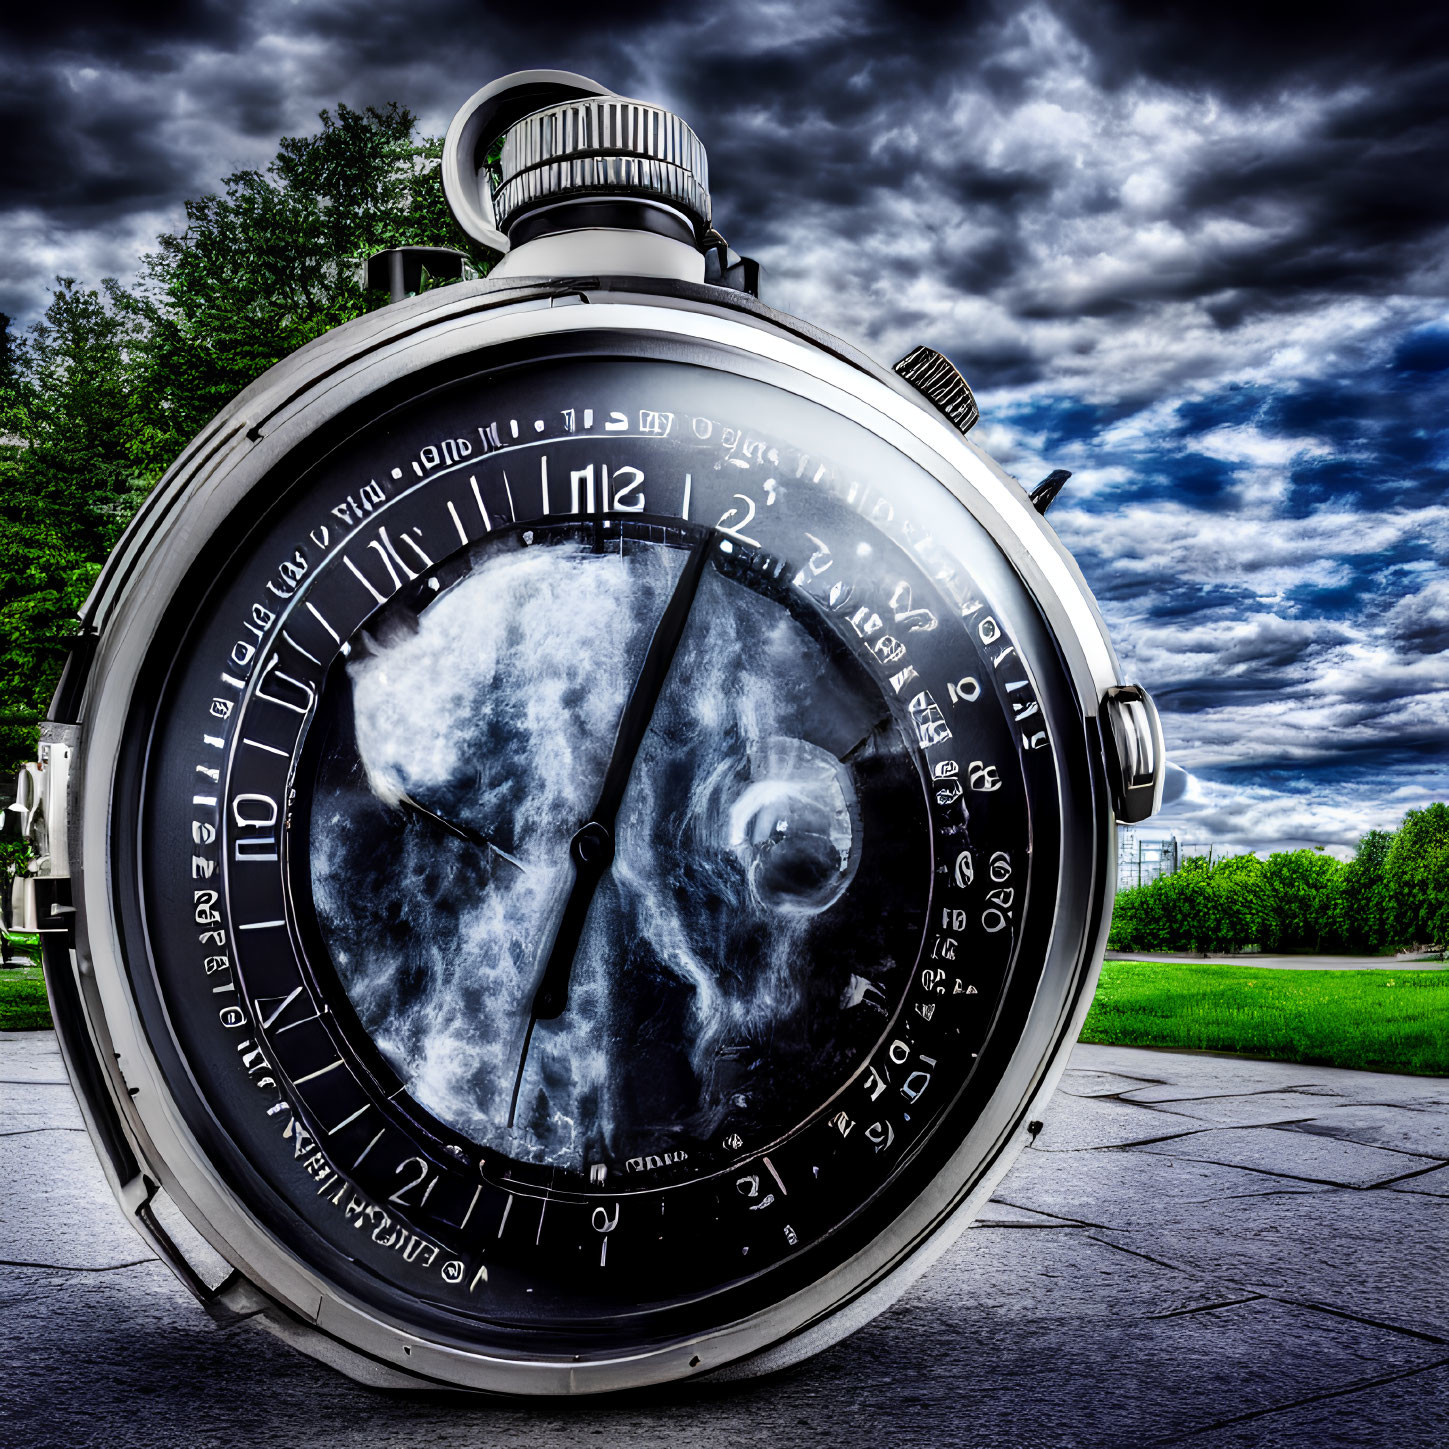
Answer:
(604, 146)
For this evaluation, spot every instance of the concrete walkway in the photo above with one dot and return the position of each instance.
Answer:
(1199, 1250)
(1290, 963)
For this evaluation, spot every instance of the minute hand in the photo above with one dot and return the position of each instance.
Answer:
(592, 848)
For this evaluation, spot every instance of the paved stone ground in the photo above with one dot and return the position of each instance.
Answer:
(1199, 1250)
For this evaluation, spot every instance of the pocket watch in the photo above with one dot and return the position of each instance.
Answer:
(581, 816)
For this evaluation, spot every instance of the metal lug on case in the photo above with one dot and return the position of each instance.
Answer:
(1045, 492)
(41, 798)
(1132, 734)
(725, 267)
(936, 379)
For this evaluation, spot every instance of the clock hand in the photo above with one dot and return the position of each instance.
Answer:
(592, 848)
(463, 832)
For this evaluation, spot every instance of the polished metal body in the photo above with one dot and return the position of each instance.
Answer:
(162, 1177)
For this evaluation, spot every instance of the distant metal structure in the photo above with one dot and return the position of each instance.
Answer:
(1140, 861)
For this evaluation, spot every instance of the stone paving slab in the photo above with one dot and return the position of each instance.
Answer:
(1080, 1082)
(1119, 1292)
(1251, 1109)
(1403, 1129)
(1435, 1182)
(1128, 1190)
(1200, 1075)
(1094, 1122)
(56, 1207)
(1298, 1155)
(31, 1056)
(1407, 1409)
(1376, 1255)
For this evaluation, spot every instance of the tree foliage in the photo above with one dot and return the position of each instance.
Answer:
(100, 397)
(1394, 892)
(1416, 875)
(272, 262)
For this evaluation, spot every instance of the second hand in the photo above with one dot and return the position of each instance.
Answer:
(592, 848)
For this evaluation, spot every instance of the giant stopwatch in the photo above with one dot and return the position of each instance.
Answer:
(587, 806)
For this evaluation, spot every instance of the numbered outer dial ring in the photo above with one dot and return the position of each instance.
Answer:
(816, 1268)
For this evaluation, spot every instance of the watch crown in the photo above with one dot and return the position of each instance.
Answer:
(601, 146)
(1132, 734)
(935, 377)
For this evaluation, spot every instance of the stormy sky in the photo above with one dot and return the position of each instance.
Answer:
(1193, 253)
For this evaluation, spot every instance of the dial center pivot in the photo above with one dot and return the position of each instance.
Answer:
(593, 847)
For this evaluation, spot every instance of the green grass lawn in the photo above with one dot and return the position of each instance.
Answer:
(22, 999)
(1378, 1021)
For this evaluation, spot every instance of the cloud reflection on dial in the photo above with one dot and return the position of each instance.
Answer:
(718, 985)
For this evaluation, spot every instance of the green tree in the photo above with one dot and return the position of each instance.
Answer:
(1172, 913)
(67, 489)
(272, 262)
(1302, 905)
(1416, 873)
(97, 402)
(12, 387)
(1365, 923)
(73, 477)
(1240, 903)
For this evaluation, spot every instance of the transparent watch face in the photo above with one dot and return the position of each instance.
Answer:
(771, 849)
(596, 825)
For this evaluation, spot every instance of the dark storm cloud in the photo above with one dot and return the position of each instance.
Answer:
(1195, 254)
(1247, 48)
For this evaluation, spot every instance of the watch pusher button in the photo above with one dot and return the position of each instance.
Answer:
(1045, 493)
(935, 377)
(1132, 736)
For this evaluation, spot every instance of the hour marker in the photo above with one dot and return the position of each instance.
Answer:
(332, 1131)
(397, 472)
(512, 512)
(478, 498)
(305, 653)
(784, 1191)
(367, 1149)
(588, 417)
(320, 1072)
(513, 426)
(204, 800)
(270, 749)
(688, 483)
(471, 1206)
(323, 622)
(482, 1274)
(543, 477)
(259, 925)
(303, 1022)
(287, 1000)
(507, 1208)
(234, 682)
(457, 522)
(215, 741)
(538, 1236)
(362, 579)
(603, 1250)
(538, 425)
